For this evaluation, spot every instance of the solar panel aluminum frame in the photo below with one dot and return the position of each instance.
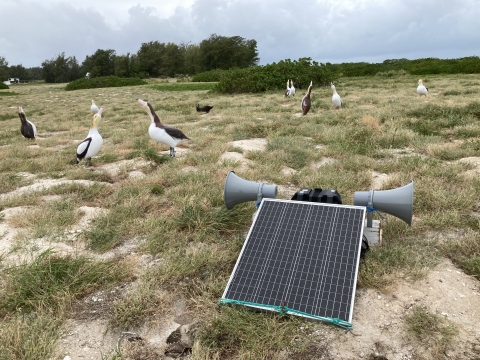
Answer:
(283, 309)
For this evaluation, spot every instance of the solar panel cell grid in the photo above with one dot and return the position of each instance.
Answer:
(302, 254)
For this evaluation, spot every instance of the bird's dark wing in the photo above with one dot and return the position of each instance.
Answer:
(27, 130)
(82, 149)
(176, 133)
(306, 103)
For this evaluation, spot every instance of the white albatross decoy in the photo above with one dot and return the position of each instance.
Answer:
(421, 89)
(160, 133)
(28, 129)
(292, 88)
(287, 91)
(306, 102)
(92, 144)
(336, 100)
(93, 108)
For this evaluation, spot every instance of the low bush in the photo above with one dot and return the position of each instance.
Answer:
(274, 76)
(208, 76)
(102, 82)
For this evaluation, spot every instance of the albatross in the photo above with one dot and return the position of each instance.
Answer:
(160, 133)
(336, 100)
(28, 129)
(292, 88)
(92, 144)
(306, 102)
(93, 108)
(421, 89)
(287, 91)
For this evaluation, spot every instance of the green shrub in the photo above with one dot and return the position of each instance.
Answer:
(208, 76)
(102, 82)
(274, 76)
(183, 87)
(3, 86)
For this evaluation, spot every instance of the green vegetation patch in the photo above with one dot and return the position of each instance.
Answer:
(10, 93)
(11, 181)
(465, 251)
(430, 329)
(3, 86)
(184, 87)
(274, 76)
(208, 76)
(103, 82)
(51, 280)
(432, 119)
(238, 333)
(29, 336)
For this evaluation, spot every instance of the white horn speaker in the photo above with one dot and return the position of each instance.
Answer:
(238, 190)
(397, 202)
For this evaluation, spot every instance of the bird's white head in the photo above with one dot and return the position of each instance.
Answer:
(147, 108)
(420, 82)
(96, 118)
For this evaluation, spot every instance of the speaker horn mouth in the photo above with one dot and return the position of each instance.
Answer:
(397, 202)
(237, 190)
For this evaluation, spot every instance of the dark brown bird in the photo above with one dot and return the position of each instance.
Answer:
(306, 103)
(28, 129)
(160, 133)
(205, 108)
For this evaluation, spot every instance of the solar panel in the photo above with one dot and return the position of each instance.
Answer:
(300, 258)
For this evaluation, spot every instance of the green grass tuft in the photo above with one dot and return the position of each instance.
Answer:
(430, 329)
(238, 333)
(51, 281)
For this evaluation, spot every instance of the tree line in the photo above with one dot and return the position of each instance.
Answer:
(153, 59)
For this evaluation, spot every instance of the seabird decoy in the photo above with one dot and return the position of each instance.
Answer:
(93, 108)
(92, 144)
(336, 100)
(205, 108)
(28, 129)
(287, 91)
(421, 89)
(292, 88)
(306, 102)
(160, 133)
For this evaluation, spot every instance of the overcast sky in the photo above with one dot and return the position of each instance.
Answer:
(32, 31)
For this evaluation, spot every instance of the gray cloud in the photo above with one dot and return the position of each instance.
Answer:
(365, 30)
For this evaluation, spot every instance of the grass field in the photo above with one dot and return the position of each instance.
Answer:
(151, 237)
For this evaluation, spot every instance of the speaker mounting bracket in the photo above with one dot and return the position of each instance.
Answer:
(369, 212)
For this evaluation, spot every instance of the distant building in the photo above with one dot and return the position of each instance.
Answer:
(7, 82)
(14, 80)
(87, 75)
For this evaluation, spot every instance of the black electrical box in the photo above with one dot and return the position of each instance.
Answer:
(318, 195)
